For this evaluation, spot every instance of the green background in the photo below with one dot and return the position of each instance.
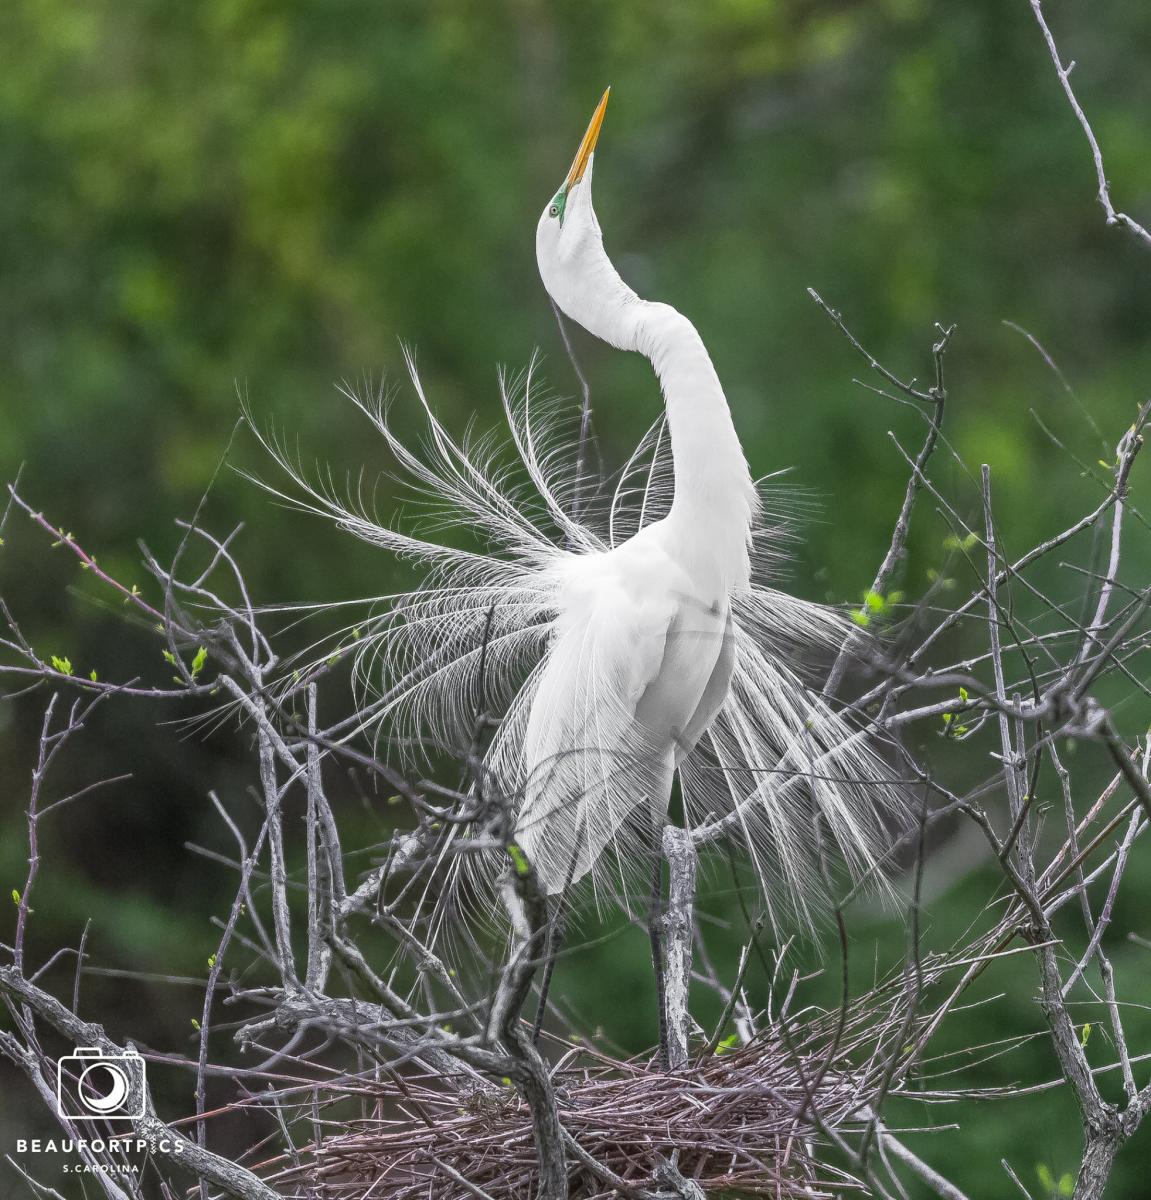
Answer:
(263, 197)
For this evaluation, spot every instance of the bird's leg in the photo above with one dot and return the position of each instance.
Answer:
(655, 934)
(555, 942)
(557, 932)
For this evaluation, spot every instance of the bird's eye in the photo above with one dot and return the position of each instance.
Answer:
(554, 211)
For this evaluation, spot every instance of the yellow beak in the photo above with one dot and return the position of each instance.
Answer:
(584, 153)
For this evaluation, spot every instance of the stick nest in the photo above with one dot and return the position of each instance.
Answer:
(739, 1122)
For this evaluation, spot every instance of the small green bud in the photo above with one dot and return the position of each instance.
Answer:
(728, 1044)
(199, 660)
(519, 860)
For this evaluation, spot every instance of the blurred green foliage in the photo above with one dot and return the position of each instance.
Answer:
(263, 196)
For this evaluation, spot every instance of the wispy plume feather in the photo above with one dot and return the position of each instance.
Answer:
(788, 777)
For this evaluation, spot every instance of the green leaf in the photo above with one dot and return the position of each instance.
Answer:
(1046, 1179)
(1066, 1184)
(728, 1044)
(963, 693)
(169, 657)
(198, 662)
(874, 602)
(63, 665)
(861, 618)
(15, 897)
(92, 675)
(1085, 1033)
(195, 1025)
(211, 961)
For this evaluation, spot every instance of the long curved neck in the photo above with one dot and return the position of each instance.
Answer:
(714, 494)
(715, 499)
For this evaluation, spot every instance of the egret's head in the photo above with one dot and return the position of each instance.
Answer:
(569, 245)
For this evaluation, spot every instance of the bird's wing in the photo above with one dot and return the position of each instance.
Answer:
(791, 776)
(714, 692)
(588, 760)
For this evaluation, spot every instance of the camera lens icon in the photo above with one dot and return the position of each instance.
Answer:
(93, 1086)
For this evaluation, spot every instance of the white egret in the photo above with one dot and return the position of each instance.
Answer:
(622, 650)
(649, 635)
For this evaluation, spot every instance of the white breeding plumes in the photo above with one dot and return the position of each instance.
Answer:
(628, 645)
